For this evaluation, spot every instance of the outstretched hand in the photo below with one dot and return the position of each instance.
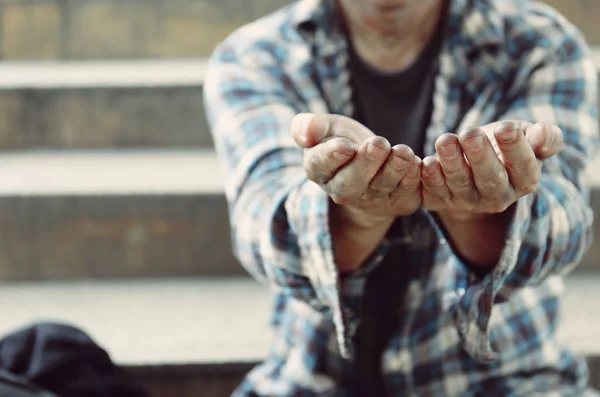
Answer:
(359, 170)
(480, 172)
(485, 170)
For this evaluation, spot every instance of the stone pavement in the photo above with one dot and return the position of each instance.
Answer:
(179, 171)
(127, 213)
(89, 172)
(152, 322)
(207, 321)
(98, 74)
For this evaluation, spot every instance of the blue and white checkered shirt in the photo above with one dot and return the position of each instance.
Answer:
(458, 334)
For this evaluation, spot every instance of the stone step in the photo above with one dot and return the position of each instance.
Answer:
(111, 29)
(112, 214)
(95, 105)
(195, 340)
(117, 29)
(107, 214)
(102, 104)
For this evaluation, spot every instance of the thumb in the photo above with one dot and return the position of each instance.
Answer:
(545, 139)
(309, 129)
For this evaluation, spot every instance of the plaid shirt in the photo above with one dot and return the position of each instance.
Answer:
(457, 334)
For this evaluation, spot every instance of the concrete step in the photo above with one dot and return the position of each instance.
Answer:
(102, 104)
(107, 214)
(187, 320)
(109, 29)
(112, 214)
(194, 338)
(181, 337)
(87, 105)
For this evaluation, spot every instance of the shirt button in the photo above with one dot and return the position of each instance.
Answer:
(443, 241)
(350, 315)
(400, 362)
(394, 364)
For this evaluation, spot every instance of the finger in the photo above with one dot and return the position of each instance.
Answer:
(309, 129)
(545, 139)
(412, 180)
(489, 174)
(393, 170)
(407, 196)
(457, 172)
(490, 128)
(301, 125)
(353, 179)
(322, 161)
(434, 185)
(518, 157)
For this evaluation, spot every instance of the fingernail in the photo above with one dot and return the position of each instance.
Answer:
(398, 163)
(374, 152)
(449, 151)
(429, 167)
(301, 125)
(404, 152)
(552, 138)
(413, 170)
(508, 136)
(341, 155)
(550, 141)
(475, 143)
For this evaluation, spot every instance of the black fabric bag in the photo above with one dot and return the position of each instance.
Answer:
(13, 386)
(59, 359)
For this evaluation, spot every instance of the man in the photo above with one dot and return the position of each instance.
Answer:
(408, 177)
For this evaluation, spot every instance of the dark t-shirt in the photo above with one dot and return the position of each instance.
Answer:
(396, 106)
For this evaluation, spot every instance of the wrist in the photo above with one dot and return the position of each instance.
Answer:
(465, 218)
(356, 219)
(355, 234)
(467, 231)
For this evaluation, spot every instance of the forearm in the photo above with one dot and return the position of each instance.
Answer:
(480, 239)
(557, 230)
(355, 237)
(553, 225)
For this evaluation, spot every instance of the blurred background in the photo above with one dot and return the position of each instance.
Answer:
(112, 214)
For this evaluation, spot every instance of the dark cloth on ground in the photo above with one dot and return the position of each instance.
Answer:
(63, 360)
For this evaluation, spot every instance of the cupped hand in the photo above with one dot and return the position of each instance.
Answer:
(359, 170)
(485, 170)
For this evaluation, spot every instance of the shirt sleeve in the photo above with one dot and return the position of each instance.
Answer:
(551, 228)
(279, 219)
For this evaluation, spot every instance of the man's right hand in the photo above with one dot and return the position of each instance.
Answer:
(372, 181)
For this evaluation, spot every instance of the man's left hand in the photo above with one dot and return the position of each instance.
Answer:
(483, 171)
